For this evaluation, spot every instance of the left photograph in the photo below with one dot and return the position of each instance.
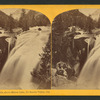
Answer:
(25, 49)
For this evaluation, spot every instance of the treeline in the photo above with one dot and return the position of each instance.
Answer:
(7, 22)
(62, 44)
(32, 18)
(73, 18)
(44, 74)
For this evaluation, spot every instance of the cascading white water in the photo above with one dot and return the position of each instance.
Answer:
(23, 59)
(90, 75)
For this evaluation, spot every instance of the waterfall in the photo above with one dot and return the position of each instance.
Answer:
(23, 58)
(89, 77)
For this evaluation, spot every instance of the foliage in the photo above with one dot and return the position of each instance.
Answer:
(23, 21)
(72, 18)
(62, 44)
(26, 20)
(44, 74)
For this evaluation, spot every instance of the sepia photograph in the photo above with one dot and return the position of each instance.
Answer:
(76, 49)
(25, 49)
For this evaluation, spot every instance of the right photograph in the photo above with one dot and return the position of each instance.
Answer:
(76, 49)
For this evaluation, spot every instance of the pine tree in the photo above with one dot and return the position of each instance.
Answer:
(23, 22)
(90, 25)
(46, 61)
(44, 75)
(11, 24)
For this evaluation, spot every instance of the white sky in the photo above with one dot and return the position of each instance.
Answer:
(9, 11)
(87, 11)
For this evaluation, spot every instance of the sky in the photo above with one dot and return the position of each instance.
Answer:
(87, 11)
(9, 11)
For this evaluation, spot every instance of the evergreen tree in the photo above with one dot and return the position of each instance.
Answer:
(90, 25)
(44, 75)
(23, 23)
(46, 61)
(11, 24)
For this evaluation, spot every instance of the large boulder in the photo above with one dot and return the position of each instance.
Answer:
(59, 80)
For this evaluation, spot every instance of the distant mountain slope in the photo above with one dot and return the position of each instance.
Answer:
(31, 17)
(70, 18)
(36, 19)
(22, 18)
(96, 15)
(5, 20)
(17, 14)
